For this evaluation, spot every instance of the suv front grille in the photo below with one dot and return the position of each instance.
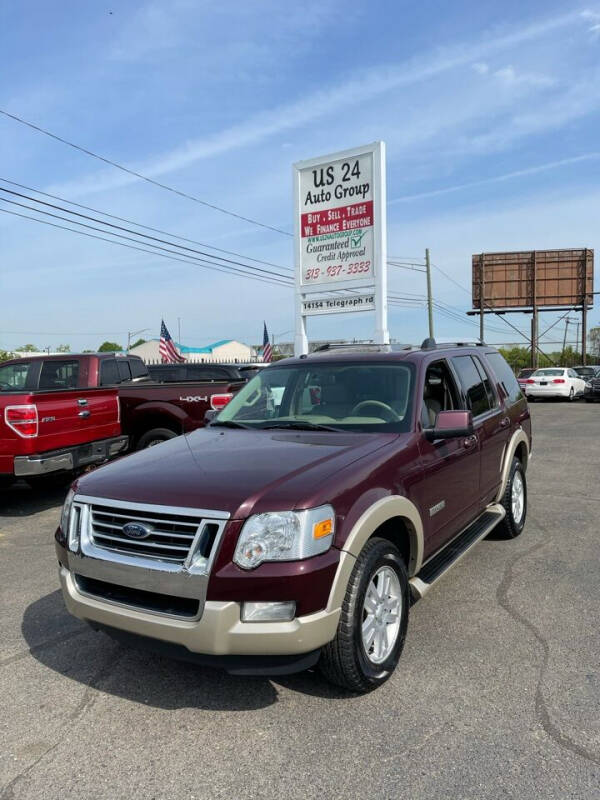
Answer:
(164, 536)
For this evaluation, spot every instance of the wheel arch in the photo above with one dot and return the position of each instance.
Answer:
(394, 518)
(519, 447)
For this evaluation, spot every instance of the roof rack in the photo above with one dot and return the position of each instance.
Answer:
(394, 347)
(435, 344)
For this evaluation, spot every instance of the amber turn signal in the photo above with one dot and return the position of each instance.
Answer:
(323, 528)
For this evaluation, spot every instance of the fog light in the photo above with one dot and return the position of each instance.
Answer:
(268, 612)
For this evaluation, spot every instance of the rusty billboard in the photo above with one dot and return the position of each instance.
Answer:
(533, 279)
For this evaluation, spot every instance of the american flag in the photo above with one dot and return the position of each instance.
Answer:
(267, 352)
(166, 348)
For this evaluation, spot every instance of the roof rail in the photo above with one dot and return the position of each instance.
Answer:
(434, 344)
(394, 347)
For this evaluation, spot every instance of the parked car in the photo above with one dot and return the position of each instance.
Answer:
(523, 375)
(146, 413)
(181, 373)
(295, 528)
(554, 382)
(592, 389)
(587, 372)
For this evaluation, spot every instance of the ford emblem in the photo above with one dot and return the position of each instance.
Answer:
(135, 530)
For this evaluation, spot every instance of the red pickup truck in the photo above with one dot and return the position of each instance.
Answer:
(61, 413)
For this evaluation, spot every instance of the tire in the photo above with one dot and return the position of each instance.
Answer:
(571, 395)
(346, 661)
(154, 437)
(512, 525)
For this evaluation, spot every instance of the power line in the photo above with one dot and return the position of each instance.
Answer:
(146, 227)
(122, 228)
(140, 176)
(183, 259)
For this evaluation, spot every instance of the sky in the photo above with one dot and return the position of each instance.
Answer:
(490, 113)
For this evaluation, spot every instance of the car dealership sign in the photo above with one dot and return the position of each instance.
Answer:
(340, 236)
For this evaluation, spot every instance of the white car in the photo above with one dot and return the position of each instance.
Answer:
(554, 382)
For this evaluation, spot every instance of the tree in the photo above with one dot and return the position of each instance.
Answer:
(110, 347)
(27, 348)
(138, 343)
(5, 355)
(517, 357)
(63, 348)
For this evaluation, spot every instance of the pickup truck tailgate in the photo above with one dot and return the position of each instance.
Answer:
(65, 418)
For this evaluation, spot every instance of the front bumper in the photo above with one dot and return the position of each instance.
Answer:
(70, 458)
(218, 631)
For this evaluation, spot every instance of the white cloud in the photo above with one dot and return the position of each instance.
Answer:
(299, 114)
(510, 77)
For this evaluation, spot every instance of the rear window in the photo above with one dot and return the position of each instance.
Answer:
(13, 377)
(505, 375)
(552, 373)
(138, 368)
(59, 374)
(109, 374)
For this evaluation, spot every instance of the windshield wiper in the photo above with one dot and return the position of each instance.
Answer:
(229, 423)
(300, 426)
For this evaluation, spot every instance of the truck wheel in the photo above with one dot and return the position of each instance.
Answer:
(373, 622)
(514, 502)
(155, 436)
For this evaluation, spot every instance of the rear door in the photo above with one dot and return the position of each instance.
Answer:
(490, 420)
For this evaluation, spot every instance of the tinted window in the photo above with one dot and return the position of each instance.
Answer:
(59, 374)
(138, 368)
(439, 393)
(13, 377)
(505, 375)
(124, 371)
(489, 389)
(473, 386)
(109, 374)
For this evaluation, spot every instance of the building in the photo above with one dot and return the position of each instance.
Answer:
(226, 351)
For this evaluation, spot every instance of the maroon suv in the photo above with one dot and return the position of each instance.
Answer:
(295, 529)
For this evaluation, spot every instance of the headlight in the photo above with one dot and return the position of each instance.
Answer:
(66, 513)
(285, 536)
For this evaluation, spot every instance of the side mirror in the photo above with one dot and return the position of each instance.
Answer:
(450, 425)
(209, 416)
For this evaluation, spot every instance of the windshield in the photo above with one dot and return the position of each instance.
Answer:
(346, 397)
(14, 376)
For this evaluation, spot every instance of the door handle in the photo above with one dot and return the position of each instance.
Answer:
(470, 441)
(82, 401)
(505, 422)
(84, 414)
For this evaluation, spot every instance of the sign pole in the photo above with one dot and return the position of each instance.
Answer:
(382, 334)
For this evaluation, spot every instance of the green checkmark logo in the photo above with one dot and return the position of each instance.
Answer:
(357, 238)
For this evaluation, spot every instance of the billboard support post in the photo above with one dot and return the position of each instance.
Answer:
(584, 310)
(340, 245)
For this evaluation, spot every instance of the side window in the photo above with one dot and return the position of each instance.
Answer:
(124, 371)
(474, 389)
(109, 374)
(489, 389)
(505, 376)
(59, 375)
(573, 374)
(439, 393)
(138, 368)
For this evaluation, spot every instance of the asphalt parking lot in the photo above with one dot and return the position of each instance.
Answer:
(497, 694)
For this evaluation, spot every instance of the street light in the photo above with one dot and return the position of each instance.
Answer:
(131, 334)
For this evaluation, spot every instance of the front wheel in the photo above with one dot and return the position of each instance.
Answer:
(514, 502)
(373, 622)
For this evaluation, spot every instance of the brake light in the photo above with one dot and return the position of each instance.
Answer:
(558, 380)
(23, 420)
(529, 380)
(219, 401)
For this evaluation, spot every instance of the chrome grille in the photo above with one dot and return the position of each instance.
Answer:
(171, 535)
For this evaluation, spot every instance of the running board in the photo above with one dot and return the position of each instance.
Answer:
(441, 562)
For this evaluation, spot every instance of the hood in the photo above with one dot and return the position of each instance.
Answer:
(237, 471)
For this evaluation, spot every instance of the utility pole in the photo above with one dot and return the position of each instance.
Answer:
(562, 356)
(481, 296)
(577, 338)
(429, 294)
